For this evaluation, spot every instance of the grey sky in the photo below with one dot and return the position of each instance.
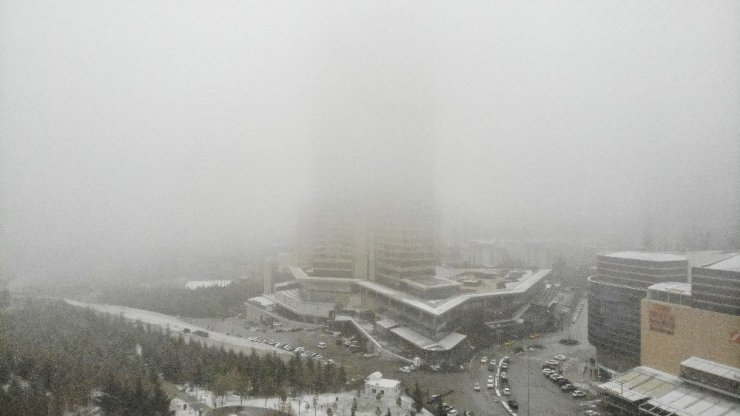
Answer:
(131, 126)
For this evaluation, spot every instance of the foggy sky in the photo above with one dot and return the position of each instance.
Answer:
(131, 128)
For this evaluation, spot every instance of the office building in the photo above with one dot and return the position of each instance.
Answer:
(615, 292)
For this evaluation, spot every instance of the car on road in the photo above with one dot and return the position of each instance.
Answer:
(476, 387)
(513, 404)
(578, 393)
(507, 391)
(484, 360)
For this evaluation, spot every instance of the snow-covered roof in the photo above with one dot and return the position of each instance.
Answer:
(436, 308)
(640, 383)
(384, 382)
(198, 284)
(263, 301)
(412, 336)
(387, 323)
(711, 367)
(646, 256)
(451, 340)
(690, 402)
(672, 287)
(732, 264)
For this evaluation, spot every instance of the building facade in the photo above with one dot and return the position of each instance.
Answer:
(716, 287)
(672, 330)
(615, 292)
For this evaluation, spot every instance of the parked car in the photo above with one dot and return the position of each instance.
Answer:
(578, 393)
(507, 391)
(513, 404)
(489, 385)
(484, 360)
(476, 387)
(405, 370)
(503, 375)
(559, 357)
(567, 387)
(321, 345)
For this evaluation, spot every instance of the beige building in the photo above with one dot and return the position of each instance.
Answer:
(672, 331)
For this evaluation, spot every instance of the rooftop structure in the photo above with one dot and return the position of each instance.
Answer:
(671, 292)
(650, 392)
(646, 256)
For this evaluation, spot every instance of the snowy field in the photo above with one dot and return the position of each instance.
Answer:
(339, 403)
(176, 325)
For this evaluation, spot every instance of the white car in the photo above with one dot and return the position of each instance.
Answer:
(503, 375)
(507, 391)
(489, 385)
(484, 360)
(578, 393)
(559, 357)
(405, 370)
(476, 386)
(452, 412)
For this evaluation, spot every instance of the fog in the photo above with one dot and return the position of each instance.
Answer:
(141, 131)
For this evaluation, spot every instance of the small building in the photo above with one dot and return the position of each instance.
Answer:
(375, 383)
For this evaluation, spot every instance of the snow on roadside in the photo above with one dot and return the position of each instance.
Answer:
(175, 324)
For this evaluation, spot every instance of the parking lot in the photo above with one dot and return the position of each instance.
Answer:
(525, 381)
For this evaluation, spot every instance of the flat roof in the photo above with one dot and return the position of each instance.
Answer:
(383, 382)
(732, 264)
(386, 323)
(640, 383)
(412, 336)
(691, 402)
(645, 256)
(438, 307)
(672, 287)
(263, 301)
(711, 367)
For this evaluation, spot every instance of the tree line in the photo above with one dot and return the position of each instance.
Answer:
(55, 357)
(207, 302)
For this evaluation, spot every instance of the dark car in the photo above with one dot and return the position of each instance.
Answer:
(513, 404)
(563, 381)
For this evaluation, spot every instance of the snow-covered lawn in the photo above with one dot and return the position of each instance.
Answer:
(339, 403)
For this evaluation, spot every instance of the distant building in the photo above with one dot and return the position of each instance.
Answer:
(615, 291)
(200, 284)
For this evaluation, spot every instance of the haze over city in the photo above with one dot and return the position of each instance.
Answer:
(131, 130)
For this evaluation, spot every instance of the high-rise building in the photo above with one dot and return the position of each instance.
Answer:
(716, 287)
(615, 292)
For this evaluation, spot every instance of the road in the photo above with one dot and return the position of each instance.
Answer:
(529, 387)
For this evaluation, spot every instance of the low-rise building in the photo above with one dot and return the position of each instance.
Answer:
(376, 384)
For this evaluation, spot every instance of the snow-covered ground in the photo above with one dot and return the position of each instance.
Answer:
(175, 324)
(339, 403)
